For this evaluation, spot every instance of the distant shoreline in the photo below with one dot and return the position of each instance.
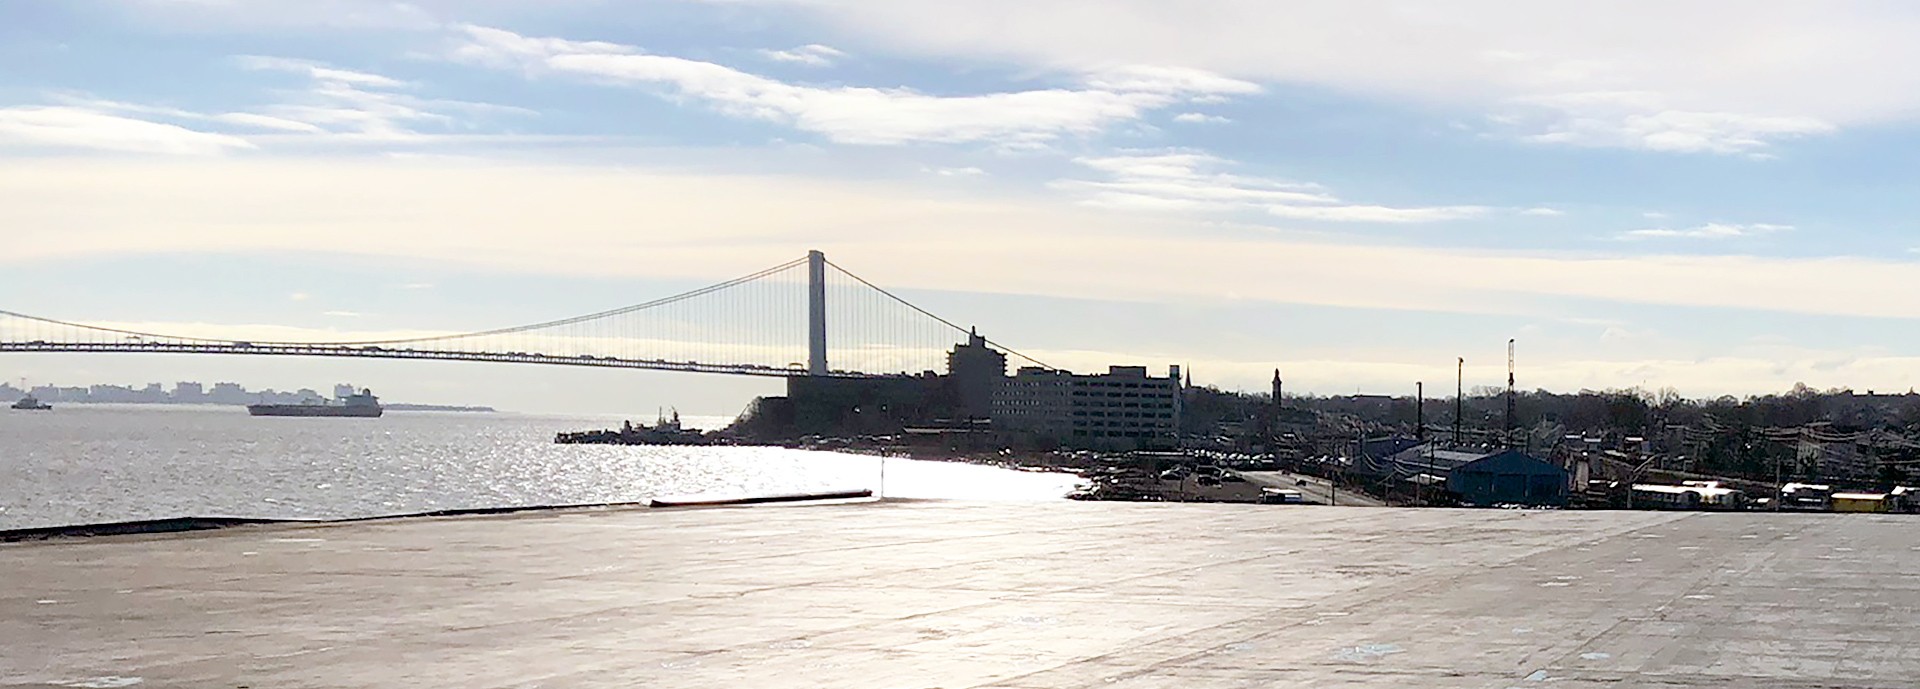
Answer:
(440, 407)
(465, 409)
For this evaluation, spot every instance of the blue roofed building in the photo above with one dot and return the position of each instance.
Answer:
(1509, 477)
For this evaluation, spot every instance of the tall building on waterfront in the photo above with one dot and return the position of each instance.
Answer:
(1122, 409)
(977, 372)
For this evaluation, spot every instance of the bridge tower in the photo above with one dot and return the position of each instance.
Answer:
(816, 313)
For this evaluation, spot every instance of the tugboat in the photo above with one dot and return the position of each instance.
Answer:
(361, 404)
(32, 403)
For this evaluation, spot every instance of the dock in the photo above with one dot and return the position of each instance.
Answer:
(975, 595)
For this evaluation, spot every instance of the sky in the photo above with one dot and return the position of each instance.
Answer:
(1681, 193)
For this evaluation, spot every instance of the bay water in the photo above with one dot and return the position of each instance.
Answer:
(83, 464)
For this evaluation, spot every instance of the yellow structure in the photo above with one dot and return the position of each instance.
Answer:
(1860, 502)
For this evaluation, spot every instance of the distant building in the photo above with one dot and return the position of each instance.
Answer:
(1122, 409)
(229, 393)
(977, 372)
(189, 392)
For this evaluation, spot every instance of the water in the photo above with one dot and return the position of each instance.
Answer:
(98, 463)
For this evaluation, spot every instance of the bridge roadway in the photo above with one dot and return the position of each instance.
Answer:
(954, 595)
(378, 352)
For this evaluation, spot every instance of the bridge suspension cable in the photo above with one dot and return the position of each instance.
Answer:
(756, 324)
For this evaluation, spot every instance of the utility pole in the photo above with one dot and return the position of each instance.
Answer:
(1506, 432)
(1420, 411)
(1459, 394)
(1779, 491)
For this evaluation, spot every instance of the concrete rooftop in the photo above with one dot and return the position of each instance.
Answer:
(952, 595)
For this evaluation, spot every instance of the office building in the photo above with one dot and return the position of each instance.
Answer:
(1122, 409)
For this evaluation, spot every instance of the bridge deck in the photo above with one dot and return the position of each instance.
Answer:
(377, 352)
(980, 595)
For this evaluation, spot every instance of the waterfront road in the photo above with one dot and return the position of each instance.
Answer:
(1315, 490)
(958, 595)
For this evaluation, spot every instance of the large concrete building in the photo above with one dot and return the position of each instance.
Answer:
(1122, 409)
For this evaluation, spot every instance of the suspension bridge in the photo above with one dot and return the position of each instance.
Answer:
(805, 317)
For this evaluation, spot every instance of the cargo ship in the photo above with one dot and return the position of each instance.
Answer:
(361, 404)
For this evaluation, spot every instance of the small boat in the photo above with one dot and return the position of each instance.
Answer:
(32, 403)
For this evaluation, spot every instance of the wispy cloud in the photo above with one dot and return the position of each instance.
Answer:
(357, 104)
(862, 115)
(1200, 118)
(1707, 231)
(955, 171)
(1188, 181)
(1378, 214)
(812, 54)
(318, 71)
(330, 101)
(95, 129)
(1543, 212)
(1644, 121)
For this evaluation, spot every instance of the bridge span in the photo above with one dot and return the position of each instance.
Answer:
(806, 317)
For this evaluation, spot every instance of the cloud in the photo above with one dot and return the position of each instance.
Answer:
(1543, 212)
(319, 71)
(861, 115)
(341, 314)
(955, 171)
(1661, 75)
(1707, 231)
(812, 55)
(332, 102)
(259, 121)
(299, 296)
(1184, 181)
(1378, 214)
(248, 16)
(1200, 118)
(356, 104)
(82, 128)
(1169, 80)
(1647, 124)
(593, 221)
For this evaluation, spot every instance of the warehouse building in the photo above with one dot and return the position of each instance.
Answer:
(1509, 477)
